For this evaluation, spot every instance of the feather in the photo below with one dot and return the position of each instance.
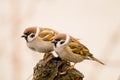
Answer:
(95, 59)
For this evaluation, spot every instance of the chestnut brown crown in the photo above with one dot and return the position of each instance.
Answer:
(29, 32)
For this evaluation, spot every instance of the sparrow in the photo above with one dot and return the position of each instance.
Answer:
(39, 38)
(70, 49)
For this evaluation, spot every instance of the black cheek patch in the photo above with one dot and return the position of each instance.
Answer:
(55, 44)
(26, 39)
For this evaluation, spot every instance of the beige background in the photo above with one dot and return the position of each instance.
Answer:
(95, 22)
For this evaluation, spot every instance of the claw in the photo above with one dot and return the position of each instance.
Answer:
(71, 67)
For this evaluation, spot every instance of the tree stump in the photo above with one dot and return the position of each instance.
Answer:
(52, 68)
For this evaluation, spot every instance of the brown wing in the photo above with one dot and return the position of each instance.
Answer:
(77, 47)
(47, 34)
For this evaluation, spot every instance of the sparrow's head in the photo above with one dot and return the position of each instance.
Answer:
(30, 33)
(61, 40)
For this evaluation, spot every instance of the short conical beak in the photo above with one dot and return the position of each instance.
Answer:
(23, 36)
(54, 42)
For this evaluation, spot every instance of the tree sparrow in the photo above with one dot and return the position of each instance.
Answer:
(70, 49)
(39, 38)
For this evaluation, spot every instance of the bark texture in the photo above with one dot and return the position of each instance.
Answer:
(52, 68)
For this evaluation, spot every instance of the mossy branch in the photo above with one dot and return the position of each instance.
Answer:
(52, 68)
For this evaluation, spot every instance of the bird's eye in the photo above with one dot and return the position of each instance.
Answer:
(62, 42)
(32, 35)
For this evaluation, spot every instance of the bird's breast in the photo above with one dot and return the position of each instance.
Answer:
(67, 55)
(41, 46)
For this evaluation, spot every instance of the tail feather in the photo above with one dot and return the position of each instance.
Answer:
(95, 59)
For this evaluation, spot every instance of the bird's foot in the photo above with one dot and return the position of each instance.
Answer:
(70, 67)
(57, 58)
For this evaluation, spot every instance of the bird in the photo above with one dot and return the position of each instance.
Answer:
(70, 49)
(39, 38)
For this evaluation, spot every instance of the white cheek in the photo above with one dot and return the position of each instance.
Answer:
(37, 32)
(30, 39)
(59, 45)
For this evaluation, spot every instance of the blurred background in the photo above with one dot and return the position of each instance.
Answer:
(95, 22)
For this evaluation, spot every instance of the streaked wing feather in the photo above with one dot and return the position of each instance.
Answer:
(78, 48)
(47, 34)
